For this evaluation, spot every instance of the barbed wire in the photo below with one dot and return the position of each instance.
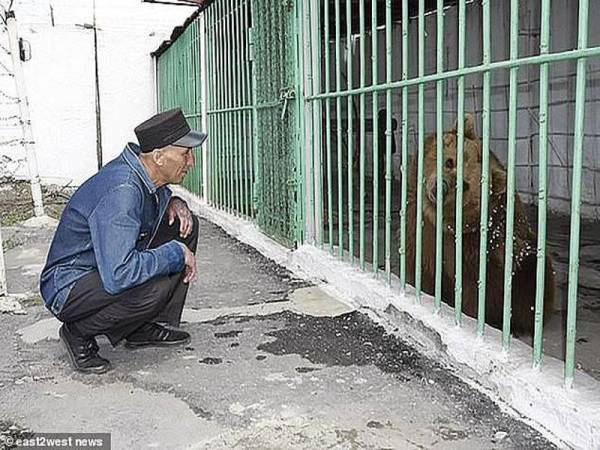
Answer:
(3, 48)
(15, 142)
(8, 96)
(11, 142)
(5, 67)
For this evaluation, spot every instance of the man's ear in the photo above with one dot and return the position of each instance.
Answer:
(157, 157)
(470, 132)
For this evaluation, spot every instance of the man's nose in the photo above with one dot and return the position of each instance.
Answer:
(191, 160)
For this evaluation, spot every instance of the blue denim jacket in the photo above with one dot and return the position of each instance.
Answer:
(107, 226)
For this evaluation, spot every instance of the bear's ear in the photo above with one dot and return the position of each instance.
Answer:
(470, 132)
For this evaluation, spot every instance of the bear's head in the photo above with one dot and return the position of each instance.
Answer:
(471, 181)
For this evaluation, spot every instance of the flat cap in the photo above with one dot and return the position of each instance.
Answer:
(167, 128)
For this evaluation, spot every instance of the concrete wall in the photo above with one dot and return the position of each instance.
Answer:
(60, 79)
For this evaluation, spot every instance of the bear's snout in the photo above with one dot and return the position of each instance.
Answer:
(432, 189)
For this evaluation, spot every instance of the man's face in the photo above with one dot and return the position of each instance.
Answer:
(175, 162)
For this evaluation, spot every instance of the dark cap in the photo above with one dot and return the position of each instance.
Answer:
(167, 128)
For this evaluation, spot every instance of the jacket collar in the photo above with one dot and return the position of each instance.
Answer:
(131, 157)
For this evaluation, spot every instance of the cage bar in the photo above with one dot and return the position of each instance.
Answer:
(420, 156)
(404, 168)
(350, 131)
(361, 128)
(582, 42)
(328, 130)
(338, 121)
(439, 195)
(542, 187)
(510, 174)
(375, 114)
(388, 142)
(485, 168)
(460, 146)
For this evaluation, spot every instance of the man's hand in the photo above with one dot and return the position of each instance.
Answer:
(190, 264)
(178, 208)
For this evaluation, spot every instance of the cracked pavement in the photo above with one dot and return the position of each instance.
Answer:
(274, 363)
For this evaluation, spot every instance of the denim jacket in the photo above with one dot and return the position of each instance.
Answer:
(107, 226)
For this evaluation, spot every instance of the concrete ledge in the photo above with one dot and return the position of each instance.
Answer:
(568, 417)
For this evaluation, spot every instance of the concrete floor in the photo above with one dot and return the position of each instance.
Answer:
(275, 363)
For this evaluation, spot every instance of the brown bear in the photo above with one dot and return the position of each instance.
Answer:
(525, 239)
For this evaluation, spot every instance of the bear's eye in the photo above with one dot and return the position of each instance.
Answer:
(450, 163)
(465, 186)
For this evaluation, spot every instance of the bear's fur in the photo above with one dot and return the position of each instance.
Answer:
(525, 239)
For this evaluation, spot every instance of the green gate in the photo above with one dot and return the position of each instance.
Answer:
(276, 115)
(252, 113)
(179, 86)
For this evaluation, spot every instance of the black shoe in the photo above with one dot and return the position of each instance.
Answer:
(83, 352)
(155, 335)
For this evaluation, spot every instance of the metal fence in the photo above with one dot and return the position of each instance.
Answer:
(179, 85)
(302, 123)
(230, 114)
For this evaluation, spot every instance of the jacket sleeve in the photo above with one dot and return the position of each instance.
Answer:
(115, 226)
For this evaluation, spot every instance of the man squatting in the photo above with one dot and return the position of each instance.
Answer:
(122, 257)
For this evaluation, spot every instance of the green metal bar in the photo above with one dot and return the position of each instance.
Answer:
(510, 168)
(278, 64)
(214, 147)
(485, 170)
(404, 170)
(223, 99)
(328, 129)
(211, 121)
(193, 175)
(576, 196)
(350, 132)
(202, 105)
(232, 102)
(460, 133)
(388, 142)
(242, 163)
(362, 113)
(568, 55)
(246, 117)
(297, 30)
(300, 109)
(250, 112)
(375, 114)
(229, 99)
(267, 116)
(420, 151)
(439, 233)
(307, 22)
(237, 55)
(542, 189)
(231, 88)
(338, 120)
(255, 75)
(220, 102)
(209, 101)
(317, 119)
(239, 90)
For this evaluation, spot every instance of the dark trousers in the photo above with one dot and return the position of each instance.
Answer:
(91, 311)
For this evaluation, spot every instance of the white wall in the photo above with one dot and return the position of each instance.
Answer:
(60, 78)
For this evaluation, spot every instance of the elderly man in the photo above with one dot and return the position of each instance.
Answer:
(123, 253)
